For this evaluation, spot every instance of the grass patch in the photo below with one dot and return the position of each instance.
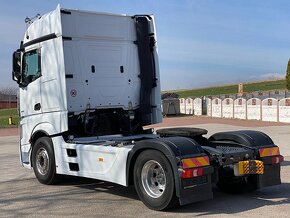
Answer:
(265, 86)
(4, 117)
(4, 122)
(232, 89)
(8, 112)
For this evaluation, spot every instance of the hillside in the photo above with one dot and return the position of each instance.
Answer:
(231, 89)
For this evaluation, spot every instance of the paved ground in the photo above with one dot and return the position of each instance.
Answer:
(22, 195)
(8, 131)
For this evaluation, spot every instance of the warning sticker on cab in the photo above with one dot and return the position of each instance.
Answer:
(73, 93)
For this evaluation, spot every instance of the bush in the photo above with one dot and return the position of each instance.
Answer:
(288, 76)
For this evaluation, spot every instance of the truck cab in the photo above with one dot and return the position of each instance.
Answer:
(89, 83)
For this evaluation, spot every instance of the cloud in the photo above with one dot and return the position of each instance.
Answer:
(269, 76)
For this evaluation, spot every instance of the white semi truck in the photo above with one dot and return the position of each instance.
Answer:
(89, 82)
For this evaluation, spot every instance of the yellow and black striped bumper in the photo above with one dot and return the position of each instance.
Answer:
(248, 167)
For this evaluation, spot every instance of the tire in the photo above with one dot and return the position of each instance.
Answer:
(43, 161)
(154, 180)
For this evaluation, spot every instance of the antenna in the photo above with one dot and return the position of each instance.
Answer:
(29, 21)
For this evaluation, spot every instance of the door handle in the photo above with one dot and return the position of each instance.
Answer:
(37, 107)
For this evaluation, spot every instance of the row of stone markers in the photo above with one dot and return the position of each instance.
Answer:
(191, 106)
(269, 109)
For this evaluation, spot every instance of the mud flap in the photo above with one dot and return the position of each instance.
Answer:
(270, 177)
(196, 189)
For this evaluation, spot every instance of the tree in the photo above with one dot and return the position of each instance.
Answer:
(169, 95)
(288, 76)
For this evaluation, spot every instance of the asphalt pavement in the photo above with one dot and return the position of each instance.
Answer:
(21, 195)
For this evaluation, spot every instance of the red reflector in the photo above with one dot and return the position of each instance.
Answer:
(277, 159)
(192, 172)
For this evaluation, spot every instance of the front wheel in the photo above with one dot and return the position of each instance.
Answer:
(154, 180)
(43, 161)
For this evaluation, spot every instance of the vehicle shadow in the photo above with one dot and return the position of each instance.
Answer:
(222, 203)
(285, 163)
(100, 186)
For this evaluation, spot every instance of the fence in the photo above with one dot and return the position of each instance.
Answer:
(6, 105)
(197, 105)
(284, 110)
(208, 107)
(268, 109)
(8, 101)
(182, 106)
(254, 109)
(216, 110)
(240, 108)
(228, 108)
(189, 106)
(278, 94)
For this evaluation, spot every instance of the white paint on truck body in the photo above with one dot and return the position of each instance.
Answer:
(87, 60)
(102, 60)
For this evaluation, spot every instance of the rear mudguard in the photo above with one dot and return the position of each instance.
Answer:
(245, 137)
(175, 149)
(255, 140)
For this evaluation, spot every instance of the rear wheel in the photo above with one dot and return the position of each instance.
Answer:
(43, 161)
(153, 179)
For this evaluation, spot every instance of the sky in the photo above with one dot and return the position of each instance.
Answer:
(200, 42)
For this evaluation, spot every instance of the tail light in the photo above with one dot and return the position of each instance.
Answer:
(192, 167)
(272, 152)
(277, 159)
(191, 173)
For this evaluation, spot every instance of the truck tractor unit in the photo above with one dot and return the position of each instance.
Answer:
(89, 84)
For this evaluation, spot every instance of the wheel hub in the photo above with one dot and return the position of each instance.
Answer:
(42, 161)
(153, 179)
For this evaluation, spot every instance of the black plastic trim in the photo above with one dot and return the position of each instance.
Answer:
(65, 12)
(71, 152)
(74, 167)
(245, 137)
(66, 38)
(37, 107)
(142, 15)
(69, 76)
(145, 43)
(40, 39)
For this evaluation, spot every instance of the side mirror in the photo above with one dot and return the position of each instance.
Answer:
(16, 63)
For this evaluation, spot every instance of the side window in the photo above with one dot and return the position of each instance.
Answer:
(31, 69)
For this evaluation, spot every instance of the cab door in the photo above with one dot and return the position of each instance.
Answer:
(30, 91)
